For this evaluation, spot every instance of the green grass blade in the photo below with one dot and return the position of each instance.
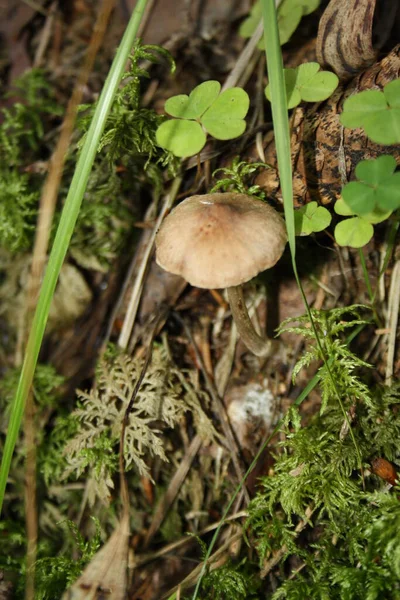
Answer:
(282, 144)
(279, 116)
(63, 237)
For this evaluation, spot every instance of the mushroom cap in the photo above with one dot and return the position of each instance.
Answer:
(220, 240)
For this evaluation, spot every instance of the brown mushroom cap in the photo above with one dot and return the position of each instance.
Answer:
(220, 240)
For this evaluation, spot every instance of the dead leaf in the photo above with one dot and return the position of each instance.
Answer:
(71, 297)
(385, 470)
(6, 590)
(105, 577)
(347, 34)
(14, 19)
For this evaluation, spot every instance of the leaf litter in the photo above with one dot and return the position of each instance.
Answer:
(175, 446)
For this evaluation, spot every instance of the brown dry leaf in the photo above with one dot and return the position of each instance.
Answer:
(14, 20)
(105, 577)
(71, 298)
(173, 18)
(160, 288)
(6, 591)
(346, 40)
(385, 470)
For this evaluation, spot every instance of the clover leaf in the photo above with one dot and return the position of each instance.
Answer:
(204, 110)
(311, 218)
(342, 209)
(374, 217)
(290, 13)
(378, 113)
(307, 83)
(357, 231)
(249, 25)
(378, 187)
(182, 138)
(194, 105)
(354, 232)
(289, 17)
(225, 118)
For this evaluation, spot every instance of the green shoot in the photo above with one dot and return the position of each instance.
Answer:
(228, 582)
(235, 178)
(311, 218)
(307, 83)
(378, 113)
(204, 110)
(329, 325)
(21, 143)
(104, 220)
(46, 385)
(354, 532)
(290, 13)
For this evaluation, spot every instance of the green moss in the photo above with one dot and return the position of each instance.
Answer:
(350, 533)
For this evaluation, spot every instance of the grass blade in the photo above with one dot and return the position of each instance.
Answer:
(280, 117)
(282, 144)
(63, 237)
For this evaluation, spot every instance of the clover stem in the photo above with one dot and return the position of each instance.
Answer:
(260, 346)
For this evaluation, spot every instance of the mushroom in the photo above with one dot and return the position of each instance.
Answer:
(222, 240)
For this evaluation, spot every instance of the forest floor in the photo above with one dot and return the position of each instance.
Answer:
(206, 407)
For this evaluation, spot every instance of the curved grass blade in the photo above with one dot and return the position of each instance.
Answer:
(63, 237)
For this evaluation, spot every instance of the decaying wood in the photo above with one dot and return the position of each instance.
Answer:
(324, 153)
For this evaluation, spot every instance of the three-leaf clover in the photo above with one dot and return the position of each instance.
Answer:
(307, 83)
(204, 110)
(378, 113)
(373, 217)
(354, 232)
(311, 218)
(378, 186)
(290, 13)
(358, 230)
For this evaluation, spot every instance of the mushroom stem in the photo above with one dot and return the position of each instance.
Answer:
(260, 346)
